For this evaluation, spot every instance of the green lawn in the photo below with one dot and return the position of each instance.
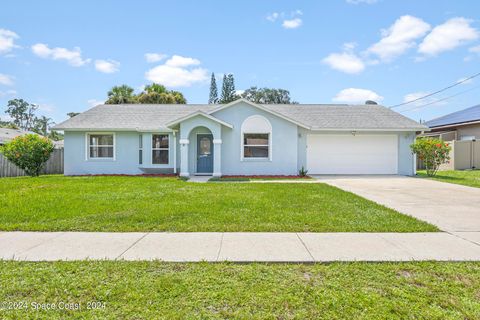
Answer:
(57, 203)
(155, 290)
(469, 178)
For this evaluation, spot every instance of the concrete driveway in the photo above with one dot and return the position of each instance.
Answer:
(451, 207)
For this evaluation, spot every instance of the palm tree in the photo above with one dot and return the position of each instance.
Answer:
(154, 87)
(42, 125)
(120, 94)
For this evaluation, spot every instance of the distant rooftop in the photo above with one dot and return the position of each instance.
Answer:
(463, 116)
(9, 134)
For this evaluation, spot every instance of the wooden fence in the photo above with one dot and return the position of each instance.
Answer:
(54, 165)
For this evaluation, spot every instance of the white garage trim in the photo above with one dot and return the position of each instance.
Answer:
(352, 154)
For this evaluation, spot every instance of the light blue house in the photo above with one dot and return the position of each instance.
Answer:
(239, 138)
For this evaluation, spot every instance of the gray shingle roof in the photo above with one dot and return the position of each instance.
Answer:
(342, 116)
(315, 116)
(130, 116)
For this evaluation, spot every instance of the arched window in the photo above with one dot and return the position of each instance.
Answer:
(256, 135)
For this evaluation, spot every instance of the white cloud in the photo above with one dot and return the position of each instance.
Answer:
(347, 62)
(475, 49)
(447, 36)
(73, 57)
(107, 66)
(357, 96)
(399, 37)
(154, 57)
(179, 61)
(273, 16)
(6, 80)
(7, 40)
(239, 92)
(292, 24)
(290, 20)
(362, 1)
(94, 102)
(176, 72)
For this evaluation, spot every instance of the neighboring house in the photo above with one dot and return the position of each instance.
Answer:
(9, 134)
(462, 128)
(239, 138)
(460, 125)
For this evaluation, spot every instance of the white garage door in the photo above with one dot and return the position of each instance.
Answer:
(349, 154)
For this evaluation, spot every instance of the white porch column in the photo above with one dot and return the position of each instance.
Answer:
(184, 157)
(217, 157)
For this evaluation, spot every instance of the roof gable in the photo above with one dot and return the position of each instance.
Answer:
(261, 107)
(195, 114)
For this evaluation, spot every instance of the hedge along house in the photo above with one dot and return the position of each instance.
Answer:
(239, 138)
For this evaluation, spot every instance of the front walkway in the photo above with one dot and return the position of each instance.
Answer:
(451, 207)
(240, 247)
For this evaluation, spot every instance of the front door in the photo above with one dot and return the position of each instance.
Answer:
(204, 153)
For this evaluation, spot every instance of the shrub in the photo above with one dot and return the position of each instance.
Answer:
(302, 172)
(432, 152)
(28, 152)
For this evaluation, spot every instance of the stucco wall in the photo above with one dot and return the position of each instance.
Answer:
(284, 144)
(126, 156)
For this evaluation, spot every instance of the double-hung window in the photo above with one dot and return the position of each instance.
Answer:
(160, 149)
(101, 146)
(256, 145)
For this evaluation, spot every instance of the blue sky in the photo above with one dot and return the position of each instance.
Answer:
(66, 55)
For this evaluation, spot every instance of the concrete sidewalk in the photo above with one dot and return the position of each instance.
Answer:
(240, 247)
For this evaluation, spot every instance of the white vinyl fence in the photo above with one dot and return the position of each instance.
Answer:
(54, 165)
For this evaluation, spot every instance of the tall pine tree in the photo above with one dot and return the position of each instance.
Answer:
(213, 98)
(228, 89)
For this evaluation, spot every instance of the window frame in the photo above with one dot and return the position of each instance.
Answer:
(87, 146)
(140, 149)
(256, 145)
(160, 149)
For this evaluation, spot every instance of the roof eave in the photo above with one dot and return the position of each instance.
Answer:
(115, 129)
(373, 129)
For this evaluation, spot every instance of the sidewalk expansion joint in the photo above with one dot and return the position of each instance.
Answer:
(220, 248)
(305, 246)
(132, 245)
